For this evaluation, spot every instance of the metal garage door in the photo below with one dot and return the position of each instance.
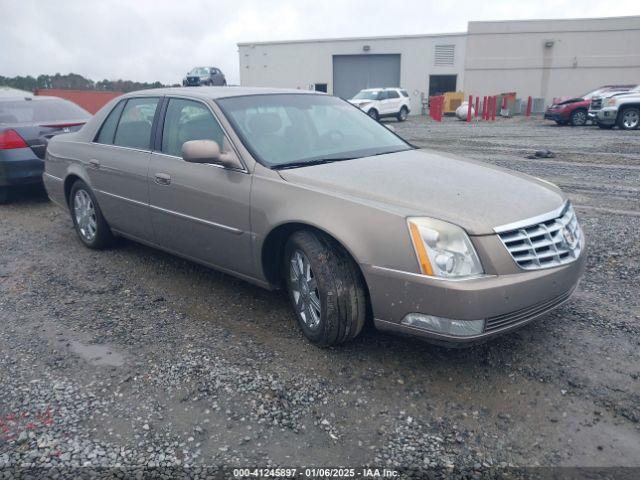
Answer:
(352, 73)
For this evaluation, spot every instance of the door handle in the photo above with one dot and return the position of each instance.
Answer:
(94, 163)
(163, 179)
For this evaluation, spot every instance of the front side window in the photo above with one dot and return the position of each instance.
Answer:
(189, 120)
(134, 127)
(287, 129)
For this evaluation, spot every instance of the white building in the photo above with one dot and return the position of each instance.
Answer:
(552, 58)
(541, 58)
(343, 67)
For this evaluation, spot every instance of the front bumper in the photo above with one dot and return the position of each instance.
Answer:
(607, 115)
(555, 116)
(505, 302)
(20, 167)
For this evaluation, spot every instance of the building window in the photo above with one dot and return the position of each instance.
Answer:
(445, 55)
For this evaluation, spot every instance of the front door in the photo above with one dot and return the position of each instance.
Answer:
(199, 210)
(118, 166)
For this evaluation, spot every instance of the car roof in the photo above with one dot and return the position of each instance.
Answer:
(379, 89)
(218, 92)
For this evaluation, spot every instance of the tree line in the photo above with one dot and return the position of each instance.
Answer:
(73, 81)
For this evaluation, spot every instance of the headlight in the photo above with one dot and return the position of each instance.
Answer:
(611, 101)
(443, 249)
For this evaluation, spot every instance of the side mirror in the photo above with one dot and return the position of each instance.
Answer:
(206, 151)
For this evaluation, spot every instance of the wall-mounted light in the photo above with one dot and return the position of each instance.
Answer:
(548, 43)
(366, 48)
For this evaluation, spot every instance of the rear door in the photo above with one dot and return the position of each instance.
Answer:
(118, 166)
(199, 210)
(393, 102)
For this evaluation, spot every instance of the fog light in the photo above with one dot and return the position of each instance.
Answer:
(447, 326)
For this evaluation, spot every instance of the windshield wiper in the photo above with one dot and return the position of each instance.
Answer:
(307, 163)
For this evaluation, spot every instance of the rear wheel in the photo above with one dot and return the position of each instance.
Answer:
(373, 113)
(88, 221)
(579, 118)
(402, 114)
(325, 287)
(629, 118)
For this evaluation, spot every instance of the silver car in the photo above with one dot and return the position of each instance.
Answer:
(302, 190)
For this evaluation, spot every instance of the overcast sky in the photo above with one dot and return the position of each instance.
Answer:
(149, 40)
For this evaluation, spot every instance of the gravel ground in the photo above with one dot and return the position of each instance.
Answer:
(134, 358)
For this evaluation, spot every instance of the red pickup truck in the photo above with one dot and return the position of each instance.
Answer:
(574, 111)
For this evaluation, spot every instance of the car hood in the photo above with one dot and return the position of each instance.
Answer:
(361, 101)
(471, 194)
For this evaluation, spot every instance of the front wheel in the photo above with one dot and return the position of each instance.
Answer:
(325, 287)
(629, 118)
(88, 221)
(402, 114)
(579, 118)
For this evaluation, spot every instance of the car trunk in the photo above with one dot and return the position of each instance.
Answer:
(37, 136)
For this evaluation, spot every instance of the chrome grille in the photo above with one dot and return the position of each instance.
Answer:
(546, 243)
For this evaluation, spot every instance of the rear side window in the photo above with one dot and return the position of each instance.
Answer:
(392, 94)
(134, 127)
(187, 120)
(404, 93)
(108, 129)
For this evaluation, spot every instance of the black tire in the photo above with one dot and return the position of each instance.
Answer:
(339, 288)
(579, 118)
(373, 113)
(4, 195)
(103, 237)
(629, 118)
(402, 114)
(605, 126)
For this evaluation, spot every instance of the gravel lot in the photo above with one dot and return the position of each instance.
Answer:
(132, 357)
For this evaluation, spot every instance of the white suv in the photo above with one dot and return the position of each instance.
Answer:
(383, 102)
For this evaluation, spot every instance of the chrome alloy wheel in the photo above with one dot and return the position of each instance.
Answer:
(85, 215)
(304, 289)
(630, 119)
(403, 114)
(579, 118)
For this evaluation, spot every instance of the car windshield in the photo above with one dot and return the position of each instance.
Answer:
(367, 95)
(199, 71)
(30, 111)
(287, 130)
